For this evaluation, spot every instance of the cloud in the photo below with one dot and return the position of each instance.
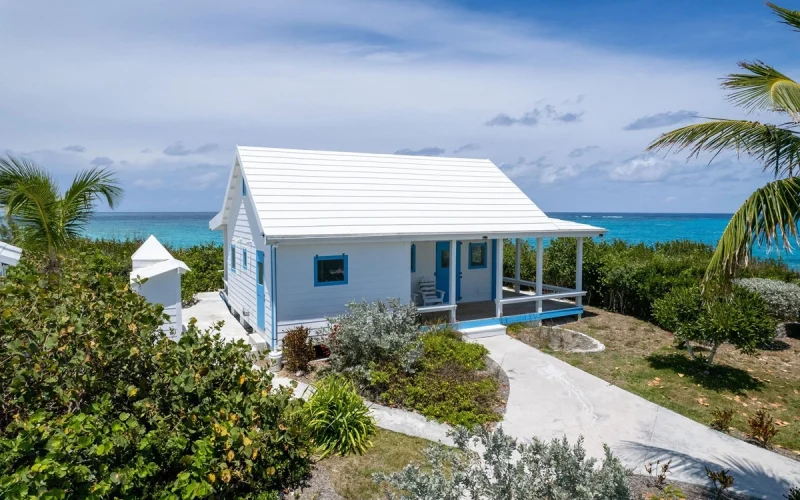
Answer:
(467, 147)
(534, 117)
(178, 149)
(643, 169)
(428, 151)
(661, 119)
(578, 152)
(149, 183)
(102, 161)
(75, 148)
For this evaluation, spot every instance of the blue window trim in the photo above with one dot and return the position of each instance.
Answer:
(244, 258)
(244, 188)
(485, 256)
(413, 258)
(233, 257)
(318, 258)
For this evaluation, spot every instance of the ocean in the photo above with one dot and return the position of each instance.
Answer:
(187, 229)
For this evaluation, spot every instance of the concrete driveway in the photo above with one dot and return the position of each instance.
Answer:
(549, 398)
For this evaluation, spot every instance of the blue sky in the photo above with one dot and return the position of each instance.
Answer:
(563, 96)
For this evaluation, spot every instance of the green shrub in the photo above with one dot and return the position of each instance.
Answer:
(297, 349)
(338, 419)
(794, 494)
(446, 384)
(373, 333)
(739, 317)
(507, 470)
(207, 266)
(97, 402)
(783, 299)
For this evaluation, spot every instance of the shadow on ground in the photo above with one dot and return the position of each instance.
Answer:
(749, 476)
(715, 377)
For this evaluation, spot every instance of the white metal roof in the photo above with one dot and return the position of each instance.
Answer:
(9, 254)
(151, 250)
(159, 268)
(324, 195)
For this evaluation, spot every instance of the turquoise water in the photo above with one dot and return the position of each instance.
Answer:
(191, 228)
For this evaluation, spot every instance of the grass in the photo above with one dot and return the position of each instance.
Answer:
(352, 476)
(642, 359)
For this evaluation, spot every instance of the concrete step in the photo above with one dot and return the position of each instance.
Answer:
(483, 331)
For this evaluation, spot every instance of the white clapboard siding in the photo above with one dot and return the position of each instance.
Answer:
(318, 194)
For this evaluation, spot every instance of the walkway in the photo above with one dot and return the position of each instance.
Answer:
(211, 309)
(549, 399)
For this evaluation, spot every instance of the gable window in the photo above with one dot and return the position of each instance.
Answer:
(330, 270)
(233, 257)
(477, 255)
(244, 188)
(244, 258)
(413, 258)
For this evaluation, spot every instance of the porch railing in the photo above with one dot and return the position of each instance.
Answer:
(557, 292)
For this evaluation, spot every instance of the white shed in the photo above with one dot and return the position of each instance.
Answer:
(9, 256)
(162, 272)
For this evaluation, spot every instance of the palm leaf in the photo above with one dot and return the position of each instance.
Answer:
(77, 205)
(768, 217)
(763, 87)
(776, 148)
(789, 17)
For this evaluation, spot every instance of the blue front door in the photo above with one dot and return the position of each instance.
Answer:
(260, 288)
(443, 266)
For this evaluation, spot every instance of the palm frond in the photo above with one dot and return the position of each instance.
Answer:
(776, 148)
(77, 205)
(768, 217)
(763, 87)
(789, 17)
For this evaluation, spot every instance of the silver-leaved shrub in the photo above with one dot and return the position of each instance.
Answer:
(370, 334)
(504, 469)
(783, 299)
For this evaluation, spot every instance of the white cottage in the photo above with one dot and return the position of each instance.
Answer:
(9, 256)
(162, 272)
(306, 232)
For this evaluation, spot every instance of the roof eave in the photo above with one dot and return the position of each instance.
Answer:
(565, 233)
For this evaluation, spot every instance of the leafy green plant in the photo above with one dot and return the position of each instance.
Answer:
(97, 402)
(762, 427)
(670, 492)
(721, 480)
(297, 349)
(739, 317)
(206, 264)
(658, 472)
(721, 419)
(782, 299)
(794, 494)
(338, 419)
(507, 470)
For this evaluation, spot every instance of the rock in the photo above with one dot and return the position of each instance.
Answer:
(298, 373)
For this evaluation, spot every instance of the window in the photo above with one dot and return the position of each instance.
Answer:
(244, 258)
(260, 272)
(233, 257)
(244, 188)
(413, 258)
(330, 270)
(477, 255)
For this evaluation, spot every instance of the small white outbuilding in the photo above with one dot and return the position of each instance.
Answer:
(162, 272)
(9, 256)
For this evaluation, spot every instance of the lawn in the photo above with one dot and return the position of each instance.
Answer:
(641, 358)
(351, 476)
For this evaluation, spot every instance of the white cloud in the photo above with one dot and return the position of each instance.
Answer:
(152, 183)
(643, 169)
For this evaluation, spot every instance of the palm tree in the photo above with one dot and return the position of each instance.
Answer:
(770, 215)
(42, 218)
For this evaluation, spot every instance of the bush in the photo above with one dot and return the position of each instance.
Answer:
(738, 317)
(508, 470)
(783, 299)
(338, 418)
(97, 402)
(721, 419)
(762, 427)
(373, 333)
(207, 266)
(794, 494)
(446, 383)
(297, 350)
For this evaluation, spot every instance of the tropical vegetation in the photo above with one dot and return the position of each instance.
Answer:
(770, 215)
(338, 418)
(39, 216)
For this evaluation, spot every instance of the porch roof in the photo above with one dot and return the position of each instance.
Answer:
(322, 195)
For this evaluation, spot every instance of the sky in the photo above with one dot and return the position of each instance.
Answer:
(563, 96)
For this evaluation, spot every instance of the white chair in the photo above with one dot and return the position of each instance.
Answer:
(429, 294)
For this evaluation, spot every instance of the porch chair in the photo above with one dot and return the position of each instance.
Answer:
(429, 294)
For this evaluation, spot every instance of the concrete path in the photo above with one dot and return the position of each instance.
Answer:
(549, 399)
(211, 309)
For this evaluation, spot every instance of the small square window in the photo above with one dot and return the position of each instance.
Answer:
(330, 270)
(477, 255)
(413, 258)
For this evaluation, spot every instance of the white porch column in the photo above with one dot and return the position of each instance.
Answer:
(453, 271)
(499, 274)
(539, 266)
(517, 272)
(579, 271)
